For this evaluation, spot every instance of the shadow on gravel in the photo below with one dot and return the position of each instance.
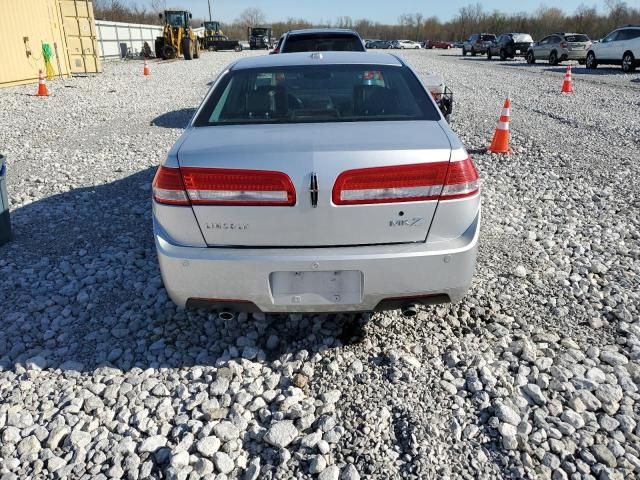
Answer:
(176, 119)
(81, 289)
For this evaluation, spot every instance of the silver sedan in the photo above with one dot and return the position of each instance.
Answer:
(317, 182)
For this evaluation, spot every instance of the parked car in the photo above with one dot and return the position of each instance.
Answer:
(440, 44)
(379, 44)
(559, 47)
(477, 43)
(510, 45)
(620, 47)
(317, 183)
(406, 44)
(320, 40)
(215, 43)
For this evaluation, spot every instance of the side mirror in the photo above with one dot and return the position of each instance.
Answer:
(160, 16)
(202, 24)
(191, 15)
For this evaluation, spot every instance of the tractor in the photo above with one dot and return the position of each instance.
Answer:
(178, 38)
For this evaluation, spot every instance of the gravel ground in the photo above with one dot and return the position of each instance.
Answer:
(534, 375)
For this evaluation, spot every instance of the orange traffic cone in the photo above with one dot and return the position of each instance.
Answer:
(146, 72)
(42, 86)
(566, 85)
(500, 142)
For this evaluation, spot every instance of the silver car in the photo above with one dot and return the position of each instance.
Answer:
(559, 47)
(317, 182)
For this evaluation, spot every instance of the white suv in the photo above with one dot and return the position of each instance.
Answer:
(620, 47)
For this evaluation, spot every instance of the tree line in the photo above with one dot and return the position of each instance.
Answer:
(415, 26)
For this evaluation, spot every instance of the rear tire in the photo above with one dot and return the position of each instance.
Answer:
(464, 52)
(591, 62)
(628, 62)
(503, 54)
(488, 55)
(473, 52)
(186, 49)
(553, 58)
(237, 48)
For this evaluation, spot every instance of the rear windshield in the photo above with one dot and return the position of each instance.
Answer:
(577, 38)
(323, 43)
(522, 38)
(487, 38)
(318, 93)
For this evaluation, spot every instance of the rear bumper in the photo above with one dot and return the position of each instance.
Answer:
(241, 278)
(574, 55)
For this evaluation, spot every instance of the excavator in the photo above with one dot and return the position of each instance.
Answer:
(178, 38)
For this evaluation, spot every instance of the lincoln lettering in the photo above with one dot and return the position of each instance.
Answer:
(226, 226)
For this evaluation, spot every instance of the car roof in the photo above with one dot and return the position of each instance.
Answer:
(303, 31)
(311, 58)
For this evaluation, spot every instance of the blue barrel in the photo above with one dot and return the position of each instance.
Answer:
(5, 223)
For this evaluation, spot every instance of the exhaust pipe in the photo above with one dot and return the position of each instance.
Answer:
(226, 315)
(409, 310)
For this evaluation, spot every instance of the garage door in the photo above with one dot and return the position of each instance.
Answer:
(80, 33)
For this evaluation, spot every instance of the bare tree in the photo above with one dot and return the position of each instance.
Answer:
(251, 17)
(470, 19)
(158, 5)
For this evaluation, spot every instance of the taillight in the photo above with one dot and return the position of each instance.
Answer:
(406, 183)
(462, 180)
(220, 186)
(168, 187)
(564, 44)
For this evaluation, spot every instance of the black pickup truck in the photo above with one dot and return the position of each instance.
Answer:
(214, 43)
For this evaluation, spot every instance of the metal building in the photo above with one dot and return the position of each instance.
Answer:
(66, 26)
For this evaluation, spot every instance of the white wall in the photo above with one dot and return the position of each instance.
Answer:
(112, 34)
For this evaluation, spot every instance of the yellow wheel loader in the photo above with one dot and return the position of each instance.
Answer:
(178, 38)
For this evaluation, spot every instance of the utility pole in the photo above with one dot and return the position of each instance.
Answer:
(210, 19)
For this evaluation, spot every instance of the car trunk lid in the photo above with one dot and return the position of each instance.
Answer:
(320, 151)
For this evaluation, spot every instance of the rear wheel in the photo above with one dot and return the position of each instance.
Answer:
(473, 52)
(531, 58)
(488, 54)
(591, 61)
(238, 48)
(628, 63)
(553, 58)
(464, 52)
(503, 54)
(186, 49)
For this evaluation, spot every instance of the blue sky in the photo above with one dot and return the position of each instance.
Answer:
(386, 11)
